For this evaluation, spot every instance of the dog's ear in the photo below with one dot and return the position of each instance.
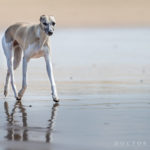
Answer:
(52, 18)
(42, 18)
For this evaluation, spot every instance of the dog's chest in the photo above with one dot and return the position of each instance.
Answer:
(34, 51)
(38, 54)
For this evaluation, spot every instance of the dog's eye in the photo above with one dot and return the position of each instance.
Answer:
(45, 24)
(53, 23)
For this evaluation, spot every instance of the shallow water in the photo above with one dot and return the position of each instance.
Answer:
(103, 82)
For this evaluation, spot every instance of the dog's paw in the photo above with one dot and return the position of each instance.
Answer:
(55, 99)
(18, 98)
(5, 93)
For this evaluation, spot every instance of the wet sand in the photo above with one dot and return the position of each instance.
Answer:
(103, 82)
(111, 118)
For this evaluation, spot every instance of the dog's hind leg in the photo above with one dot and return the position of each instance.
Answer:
(8, 50)
(6, 83)
(11, 72)
(8, 56)
(16, 61)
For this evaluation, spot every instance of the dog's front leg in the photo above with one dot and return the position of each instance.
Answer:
(24, 82)
(51, 77)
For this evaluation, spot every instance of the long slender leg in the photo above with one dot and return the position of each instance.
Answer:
(51, 78)
(24, 82)
(10, 70)
(6, 83)
(7, 47)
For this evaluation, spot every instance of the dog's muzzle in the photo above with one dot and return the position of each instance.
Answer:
(50, 33)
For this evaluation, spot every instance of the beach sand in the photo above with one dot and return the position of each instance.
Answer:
(102, 76)
(78, 13)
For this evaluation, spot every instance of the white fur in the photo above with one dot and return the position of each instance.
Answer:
(33, 51)
(38, 33)
(6, 46)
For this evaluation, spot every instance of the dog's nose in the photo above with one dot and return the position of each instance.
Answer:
(50, 33)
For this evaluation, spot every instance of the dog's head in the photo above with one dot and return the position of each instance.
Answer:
(47, 24)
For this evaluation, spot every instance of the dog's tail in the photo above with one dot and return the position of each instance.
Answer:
(7, 47)
(17, 56)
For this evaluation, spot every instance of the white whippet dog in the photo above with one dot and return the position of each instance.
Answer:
(33, 41)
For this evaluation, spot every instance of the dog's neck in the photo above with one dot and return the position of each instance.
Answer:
(43, 37)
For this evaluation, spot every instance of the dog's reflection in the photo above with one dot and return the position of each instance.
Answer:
(20, 133)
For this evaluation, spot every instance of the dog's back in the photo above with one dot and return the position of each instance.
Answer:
(10, 32)
(19, 32)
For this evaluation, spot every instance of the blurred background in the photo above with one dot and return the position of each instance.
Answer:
(94, 40)
(78, 13)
